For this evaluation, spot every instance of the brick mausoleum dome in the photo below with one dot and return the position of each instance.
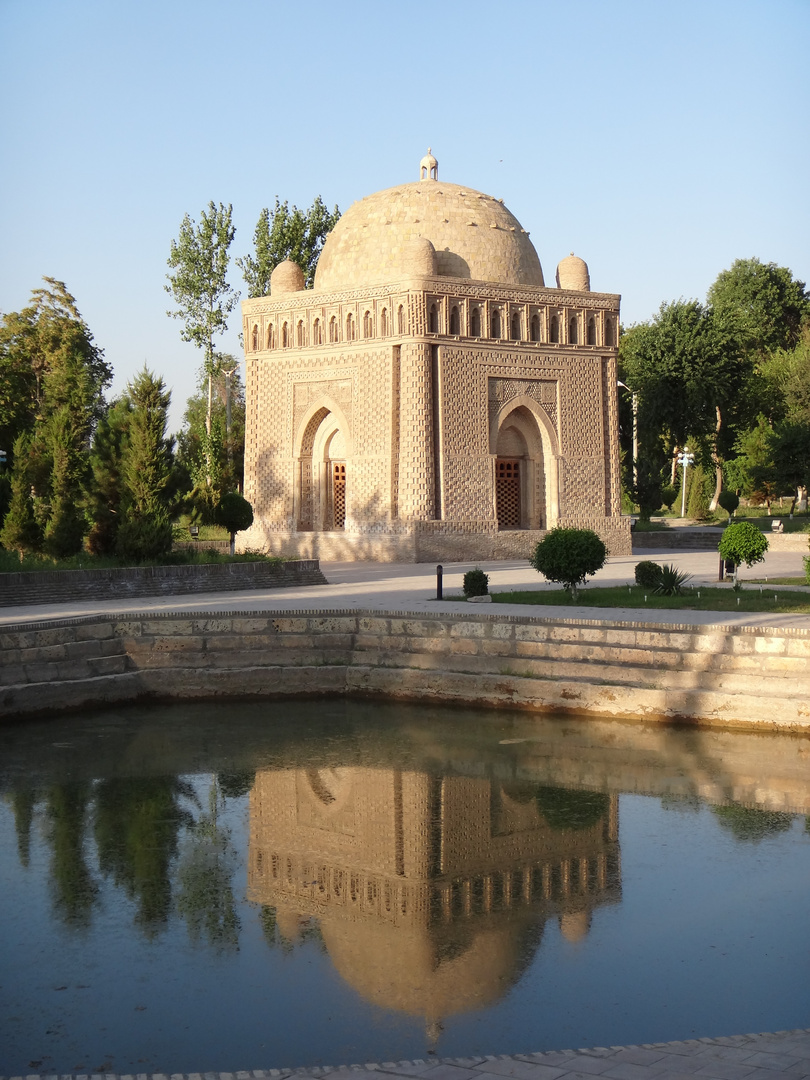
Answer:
(474, 235)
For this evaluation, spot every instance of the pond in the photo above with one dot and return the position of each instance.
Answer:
(218, 887)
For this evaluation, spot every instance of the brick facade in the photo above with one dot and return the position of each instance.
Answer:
(379, 403)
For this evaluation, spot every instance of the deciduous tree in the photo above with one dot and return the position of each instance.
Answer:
(198, 283)
(765, 304)
(215, 462)
(287, 233)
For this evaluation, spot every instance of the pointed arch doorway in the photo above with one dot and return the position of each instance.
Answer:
(322, 473)
(522, 465)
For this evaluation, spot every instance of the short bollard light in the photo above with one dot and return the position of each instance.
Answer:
(439, 573)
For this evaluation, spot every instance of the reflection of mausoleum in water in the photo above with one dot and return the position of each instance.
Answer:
(431, 892)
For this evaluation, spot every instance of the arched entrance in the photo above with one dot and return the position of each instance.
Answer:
(524, 465)
(321, 488)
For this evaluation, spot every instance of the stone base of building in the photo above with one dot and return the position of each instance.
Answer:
(424, 541)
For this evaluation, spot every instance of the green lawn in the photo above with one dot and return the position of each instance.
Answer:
(757, 515)
(697, 599)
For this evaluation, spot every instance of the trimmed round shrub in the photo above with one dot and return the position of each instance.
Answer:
(476, 582)
(648, 574)
(568, 556)
(234, 513)
(729, 501)
(668, 495)
(743, 542)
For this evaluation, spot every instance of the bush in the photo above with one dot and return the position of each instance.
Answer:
(668, 496)
(648, 574)
(671, 580)
(743, 542)
(142, 538)
(476, 582)
(234, 513)
(729, 501)
(568, 556)
(65, 531)
(699, 497)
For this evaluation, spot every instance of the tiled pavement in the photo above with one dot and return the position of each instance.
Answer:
(780, 1054)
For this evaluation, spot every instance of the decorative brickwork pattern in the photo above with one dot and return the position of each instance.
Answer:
(544, 391)
(416, 480)
(423, 366)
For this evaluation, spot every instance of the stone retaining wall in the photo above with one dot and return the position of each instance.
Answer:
(676, 538)
(730, 677)
(59, 586)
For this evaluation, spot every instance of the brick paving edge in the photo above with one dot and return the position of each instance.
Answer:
(419, 1065)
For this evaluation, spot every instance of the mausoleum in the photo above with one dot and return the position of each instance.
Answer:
(431, 398)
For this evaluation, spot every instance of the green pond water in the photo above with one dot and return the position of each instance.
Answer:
(236, 886)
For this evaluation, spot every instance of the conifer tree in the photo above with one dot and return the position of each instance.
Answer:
(21, 532)
(107, 491)
(65, 529)
(146, 531)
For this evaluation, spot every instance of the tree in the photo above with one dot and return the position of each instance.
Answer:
(52, 381)
(690, 378)
(283, 234)
(235, 514)
(765, 304)
(753, 470)
(21, 531)
(568, 556)
(65, 529)
(643, 481)
(729, 501)
(215, 462)
(790, 451)
(199, 285)
(146, 530)
(742, 542)
(107, 490)
(48, 359)
(786, 372)
(699, 495)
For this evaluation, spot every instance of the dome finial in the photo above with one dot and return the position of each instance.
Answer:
(428, 167)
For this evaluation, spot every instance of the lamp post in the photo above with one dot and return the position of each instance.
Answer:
(685, 459)
(634, 398)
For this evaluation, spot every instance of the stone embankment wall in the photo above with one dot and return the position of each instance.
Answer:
(728, 677)
(708, 539)
(59, 586)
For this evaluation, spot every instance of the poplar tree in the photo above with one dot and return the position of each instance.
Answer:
(198, 282)
(287, 233)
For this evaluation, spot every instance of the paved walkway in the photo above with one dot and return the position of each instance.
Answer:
(739, 1057)
(782, 1055)
(412, 588)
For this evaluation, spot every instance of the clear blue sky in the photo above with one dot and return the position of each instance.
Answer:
(658, 140)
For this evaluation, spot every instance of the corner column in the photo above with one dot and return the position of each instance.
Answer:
(417, 483)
